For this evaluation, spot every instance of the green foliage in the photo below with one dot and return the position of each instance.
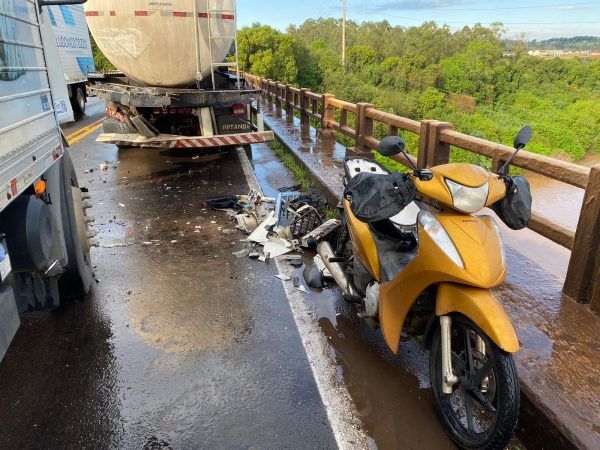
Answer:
(484, 86)
(271, 54)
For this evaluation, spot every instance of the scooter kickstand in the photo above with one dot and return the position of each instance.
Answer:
(448, 377)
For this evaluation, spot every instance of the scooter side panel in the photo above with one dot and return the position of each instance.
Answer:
(363, 244)
(432, 266)
(481, 307)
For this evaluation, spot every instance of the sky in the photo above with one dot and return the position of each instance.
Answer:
(539, 19)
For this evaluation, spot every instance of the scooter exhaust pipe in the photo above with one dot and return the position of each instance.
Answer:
(336, 269)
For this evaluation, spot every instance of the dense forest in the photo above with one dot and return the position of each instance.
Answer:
(471, 78)
(579, 43)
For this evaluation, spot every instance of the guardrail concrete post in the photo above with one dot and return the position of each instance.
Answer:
(269, 99)
(278, 99)
(364, 127)
(583, 276)
(328, 115)
(304, 117)
(289, 104)
(422, 157)
(437, 152)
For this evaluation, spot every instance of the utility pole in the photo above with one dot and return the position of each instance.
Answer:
(344, 34)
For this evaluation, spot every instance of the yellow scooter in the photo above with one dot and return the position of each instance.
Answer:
(428, 269)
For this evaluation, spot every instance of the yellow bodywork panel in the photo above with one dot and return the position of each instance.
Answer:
(479, 247)
(363, 244)
(481, 307)
(497, 190)
(468, 175)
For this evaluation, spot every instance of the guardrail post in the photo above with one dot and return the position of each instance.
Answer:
(269, 99)
(289, 104)
(278, 99)
(422, 157)
(364, 127)
(328, 115)
(392, 130)
(437, 152)
(583, 276)
(304, 117)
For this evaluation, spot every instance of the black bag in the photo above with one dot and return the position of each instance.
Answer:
(374, 197)
(515, 208)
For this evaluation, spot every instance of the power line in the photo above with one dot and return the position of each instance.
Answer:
(384, 11)
(485, 23)
(520, 7)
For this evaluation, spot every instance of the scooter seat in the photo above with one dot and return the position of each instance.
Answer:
(354, 166)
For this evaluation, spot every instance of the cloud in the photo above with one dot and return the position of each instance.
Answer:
(404, 5)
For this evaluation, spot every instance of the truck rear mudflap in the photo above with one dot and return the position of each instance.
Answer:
(172, 141)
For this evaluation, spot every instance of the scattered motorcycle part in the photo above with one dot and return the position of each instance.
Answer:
(372, 299)
(336, 269)
(313, 276)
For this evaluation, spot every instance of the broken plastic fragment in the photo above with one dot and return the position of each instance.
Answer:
(242, 253)
(259, 235)
(311, 238)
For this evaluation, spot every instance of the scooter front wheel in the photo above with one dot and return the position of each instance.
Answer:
(483, 409)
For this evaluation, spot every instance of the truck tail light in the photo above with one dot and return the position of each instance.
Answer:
(239, 110)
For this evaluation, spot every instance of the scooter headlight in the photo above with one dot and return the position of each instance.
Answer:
(467, 199)
(436, 231)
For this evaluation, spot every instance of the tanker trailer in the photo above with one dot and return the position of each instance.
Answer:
(178, 87)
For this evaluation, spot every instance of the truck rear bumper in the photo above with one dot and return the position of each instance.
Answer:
(171, 141)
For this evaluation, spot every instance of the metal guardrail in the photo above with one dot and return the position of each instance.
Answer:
(436, 138)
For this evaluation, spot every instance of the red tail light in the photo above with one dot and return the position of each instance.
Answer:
(239, 110)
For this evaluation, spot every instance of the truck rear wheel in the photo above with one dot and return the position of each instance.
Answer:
(77, 279)
(78, 101)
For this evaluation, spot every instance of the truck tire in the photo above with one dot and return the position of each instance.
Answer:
(75, 282)
(78, 101)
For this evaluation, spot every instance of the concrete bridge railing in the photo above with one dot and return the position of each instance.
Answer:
(436, 138)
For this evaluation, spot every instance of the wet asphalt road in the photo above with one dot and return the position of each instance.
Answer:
(181, 344)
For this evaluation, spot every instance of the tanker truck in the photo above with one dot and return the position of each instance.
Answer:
(178, 87)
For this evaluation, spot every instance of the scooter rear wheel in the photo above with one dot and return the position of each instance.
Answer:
(483, 409)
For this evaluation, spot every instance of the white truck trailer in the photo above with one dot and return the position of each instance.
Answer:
(179, 89)
(44, 251)
(75, 52)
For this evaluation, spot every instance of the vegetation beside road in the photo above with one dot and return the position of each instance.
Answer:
(486, 87)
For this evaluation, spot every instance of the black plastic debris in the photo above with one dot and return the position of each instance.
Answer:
(229, 202)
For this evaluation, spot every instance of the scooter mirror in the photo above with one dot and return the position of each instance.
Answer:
(391, 145)
(523, 137)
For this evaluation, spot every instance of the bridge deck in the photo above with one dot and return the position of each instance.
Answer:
(558, 363)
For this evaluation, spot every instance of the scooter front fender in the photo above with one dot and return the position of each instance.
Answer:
(481, 307)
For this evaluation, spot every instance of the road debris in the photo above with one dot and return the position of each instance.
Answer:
(310, 239)
(313, 275)
(283, 277)
(242, 253)
(281, 226)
